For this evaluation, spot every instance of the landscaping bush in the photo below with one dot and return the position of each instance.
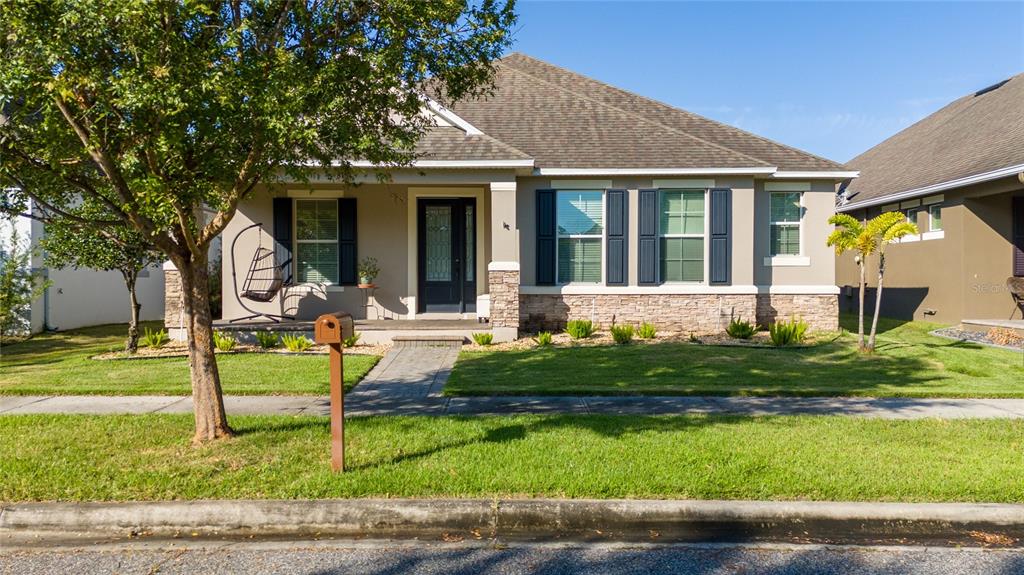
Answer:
(622, 334)
(352, 340)
(791, 332)
(580, 328)
(543, 339)
(295, 342)
(267, 339)
(155, 339)
(694, 338)
(483, 338)
(223, 341)
(740, 329)
(646, 331)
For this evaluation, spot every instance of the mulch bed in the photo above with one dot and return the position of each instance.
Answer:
(179, 349)
(975, 337)
(760, 340)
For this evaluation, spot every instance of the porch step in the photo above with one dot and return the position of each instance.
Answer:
(428, 341)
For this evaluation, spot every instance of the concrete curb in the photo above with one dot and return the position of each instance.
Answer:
(531, 519)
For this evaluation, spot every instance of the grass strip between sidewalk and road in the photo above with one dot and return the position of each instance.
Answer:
(908, 362)
(103, 458)
(61, 364)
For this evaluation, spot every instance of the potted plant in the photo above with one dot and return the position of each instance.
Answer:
(368, 270)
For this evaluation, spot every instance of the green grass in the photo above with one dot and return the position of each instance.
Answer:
(908, 363)
(84, 458)
(59, 363)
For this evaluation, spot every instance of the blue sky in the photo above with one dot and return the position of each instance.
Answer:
(828, 77)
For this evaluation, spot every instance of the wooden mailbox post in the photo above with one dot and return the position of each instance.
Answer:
(332, 329)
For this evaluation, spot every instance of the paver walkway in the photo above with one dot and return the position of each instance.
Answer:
(409, 381)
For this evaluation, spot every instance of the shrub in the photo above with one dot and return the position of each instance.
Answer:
(352, 340)
(646, 331)
(622, 334)
(543, 339)
(740, 329)
(295, 342)
(580, 328)
(267, 339)
(787, 333)
(483, 338)
(155, 339)
(223, 341)
(694, 338)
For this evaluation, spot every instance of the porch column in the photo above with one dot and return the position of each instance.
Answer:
(174, 316)
(503, 269)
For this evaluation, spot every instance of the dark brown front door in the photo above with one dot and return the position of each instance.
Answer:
(447, 255)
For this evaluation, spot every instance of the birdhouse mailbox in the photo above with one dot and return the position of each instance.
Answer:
(332, 329)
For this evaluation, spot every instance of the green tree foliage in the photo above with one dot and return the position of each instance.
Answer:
(154, 110)
(867, 239)
(18, 285)
(69, 243)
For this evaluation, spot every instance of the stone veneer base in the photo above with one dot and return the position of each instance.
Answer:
(698, 313)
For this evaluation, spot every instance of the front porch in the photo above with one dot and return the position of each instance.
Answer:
(373, 332)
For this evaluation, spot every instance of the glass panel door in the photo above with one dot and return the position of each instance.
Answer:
(438, 263)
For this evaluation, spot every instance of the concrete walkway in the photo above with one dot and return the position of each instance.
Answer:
(410, 380)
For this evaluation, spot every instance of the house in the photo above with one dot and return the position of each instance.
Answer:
(959, 175)
(558, 197)
(80, 297)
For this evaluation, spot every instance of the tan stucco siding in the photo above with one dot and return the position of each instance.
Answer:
(384, 221)
(818, 206)
(961, 275)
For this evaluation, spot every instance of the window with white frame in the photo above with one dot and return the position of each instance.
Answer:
(681, 230)
(914, 216)
(935, 217)
(580, 215)
(316, 241)
(786, 221)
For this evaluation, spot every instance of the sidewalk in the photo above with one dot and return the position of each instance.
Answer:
(365, 404)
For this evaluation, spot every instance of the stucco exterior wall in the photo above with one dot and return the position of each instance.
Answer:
(959, 276)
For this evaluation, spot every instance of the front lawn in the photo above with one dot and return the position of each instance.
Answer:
(148, 457)
(908, 362)
(60, 364)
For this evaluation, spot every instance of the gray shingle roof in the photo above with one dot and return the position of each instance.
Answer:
(566, 120)
(451, 143)
(973, 135)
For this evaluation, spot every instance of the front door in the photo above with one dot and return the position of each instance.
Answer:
(447, 255)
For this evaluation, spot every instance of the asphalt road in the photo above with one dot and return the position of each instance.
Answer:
(309, 558)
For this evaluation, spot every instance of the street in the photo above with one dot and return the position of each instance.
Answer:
(457, 558)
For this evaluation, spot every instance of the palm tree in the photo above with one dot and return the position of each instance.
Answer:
(886, 228)
(866, 239)
(851, 235)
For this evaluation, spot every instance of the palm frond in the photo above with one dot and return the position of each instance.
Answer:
(898, 230)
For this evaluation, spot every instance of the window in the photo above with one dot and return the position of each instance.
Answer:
(935, 218)
(682, 236)
(316, 241)
(580, 236)
(785, 214)
(914, 216)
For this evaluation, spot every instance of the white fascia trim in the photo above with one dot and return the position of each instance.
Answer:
(503, 266)
(840, 175)
(477, 164)
(651, 171)
(950, 184)
(787, 261)
(453, 118)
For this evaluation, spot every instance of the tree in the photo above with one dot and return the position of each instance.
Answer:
(154, 110)
(118, 248)
(866, 239)
(18, 285)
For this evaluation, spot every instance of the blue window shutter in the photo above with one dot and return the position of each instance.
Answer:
(283, 235)
(546, 223)
(617, 236)
(648, 238)
(347, 254)
(720, 252)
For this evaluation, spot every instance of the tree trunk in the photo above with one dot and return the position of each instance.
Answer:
(860, 311)
(130, 277)
(878, 302)
(207, 398)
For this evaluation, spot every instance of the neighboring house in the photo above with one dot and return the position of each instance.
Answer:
(559, 197)
(84, 297)
(959, 175)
